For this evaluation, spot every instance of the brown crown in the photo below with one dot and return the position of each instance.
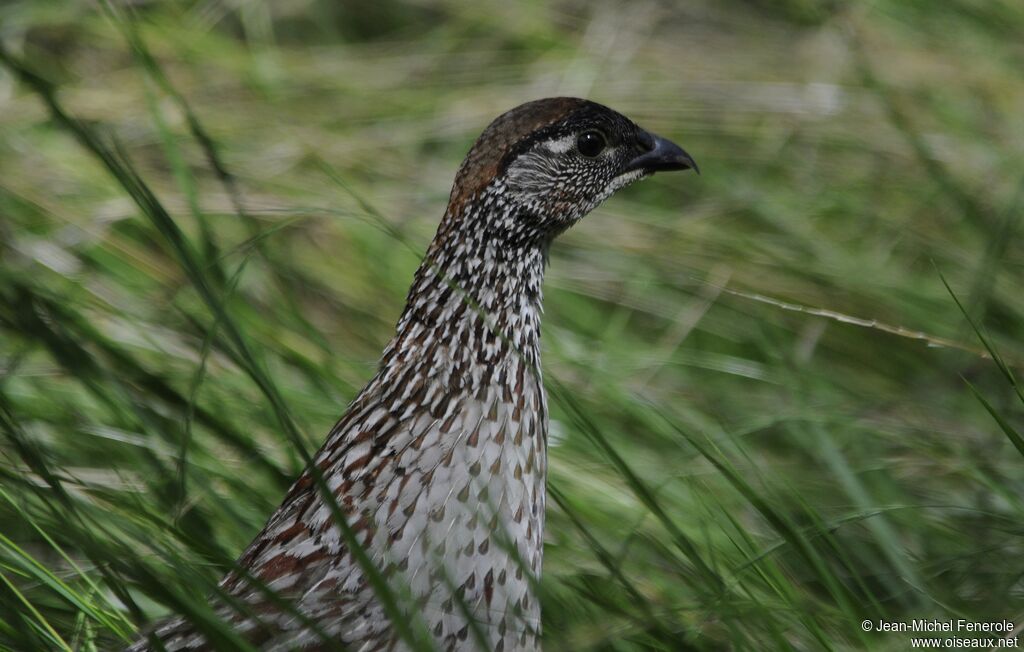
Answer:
(481, 164)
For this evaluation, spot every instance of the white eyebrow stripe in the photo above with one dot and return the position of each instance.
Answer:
(561, 145)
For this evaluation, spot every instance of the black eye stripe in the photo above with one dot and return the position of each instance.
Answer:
(590, 143)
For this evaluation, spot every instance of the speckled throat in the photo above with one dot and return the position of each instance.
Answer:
(440, 462)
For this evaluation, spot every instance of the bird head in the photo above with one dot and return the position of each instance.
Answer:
(549, 162)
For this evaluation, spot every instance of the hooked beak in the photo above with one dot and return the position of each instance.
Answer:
(660, 155)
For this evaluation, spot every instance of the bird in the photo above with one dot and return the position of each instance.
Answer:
(433, 480)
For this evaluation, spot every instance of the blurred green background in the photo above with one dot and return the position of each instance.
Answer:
(763, 424)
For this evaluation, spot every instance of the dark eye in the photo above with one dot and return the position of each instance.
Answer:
(590, 143)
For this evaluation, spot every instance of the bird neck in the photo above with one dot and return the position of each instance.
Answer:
(478, 292)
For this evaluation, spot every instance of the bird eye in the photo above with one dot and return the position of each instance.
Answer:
(591, 143)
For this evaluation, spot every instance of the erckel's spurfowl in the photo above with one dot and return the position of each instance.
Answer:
(439, 463)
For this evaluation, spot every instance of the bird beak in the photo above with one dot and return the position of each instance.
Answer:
(661, 155)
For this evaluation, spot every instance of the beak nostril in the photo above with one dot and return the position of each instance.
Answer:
(646, 142)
